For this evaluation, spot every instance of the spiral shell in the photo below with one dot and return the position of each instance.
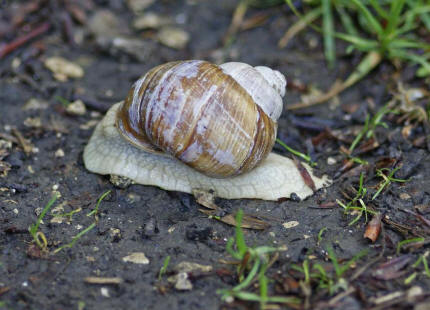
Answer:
(220, 120)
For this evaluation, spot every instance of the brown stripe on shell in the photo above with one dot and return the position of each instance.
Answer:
(264, 140)
(129, 121)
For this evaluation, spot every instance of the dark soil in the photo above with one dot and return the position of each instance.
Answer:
(160, 223)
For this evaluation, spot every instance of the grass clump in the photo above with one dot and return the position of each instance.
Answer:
(381, 30)
(357, 203)
(387, 179)
(324, 279)
(370, 126)
(39, 237)
(423, 260)
(252, 267)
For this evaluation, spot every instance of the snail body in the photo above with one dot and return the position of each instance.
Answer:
(195, 125)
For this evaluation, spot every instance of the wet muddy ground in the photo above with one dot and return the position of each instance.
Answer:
(160, 223)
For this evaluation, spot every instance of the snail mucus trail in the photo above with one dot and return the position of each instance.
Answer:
(195, 125)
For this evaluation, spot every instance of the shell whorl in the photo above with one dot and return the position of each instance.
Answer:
(266, 86)
(201, 115)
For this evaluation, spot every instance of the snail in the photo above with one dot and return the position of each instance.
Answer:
(189, 125)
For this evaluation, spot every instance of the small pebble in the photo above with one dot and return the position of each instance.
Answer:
(63, 68)
(76, 108)
(182, 283)
(35, 104)
(59, 153)
(16, 62)
(150, 21)
(290, 224)
(136, 258)
(331, 161)
(173, 37)
(33, 122)
(103, 23)
(404, 196)
(137, 6)
(105, 292)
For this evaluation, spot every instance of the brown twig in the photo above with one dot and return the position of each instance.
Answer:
(10, 47)
(103, 280)
(340, 296)
(337, 88)
(68, 27)
(236, 22)
(368, 63)
(23, 143)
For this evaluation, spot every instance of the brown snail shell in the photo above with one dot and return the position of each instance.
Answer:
(220, 120)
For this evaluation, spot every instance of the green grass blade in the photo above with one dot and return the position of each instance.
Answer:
(302, 23)
(358, 42)
(230, 250)
(367, 64)
(378, 9)
(333, 258)
(311, 15)
(360, 135)
(373, 23)
(407, 241)
(34, 228)
(347, 21)
(328, 32)
(394, 17)
(247, 296)
(405, 43)
(240, 240)
(425, 18)
(356, 257)
(424, 71)
(248, 280)
(297, 153)
(262, 279)
(163, 269)
(96, 209)
(75, 238)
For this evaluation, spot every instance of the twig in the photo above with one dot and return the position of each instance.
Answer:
(299, 26)
(26, 146)
(8, 48)
(68, 27)
(103, 280)
(236, 21)
(338, 297)
(368, 63)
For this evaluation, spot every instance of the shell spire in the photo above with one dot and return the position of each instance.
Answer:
(266, 86)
